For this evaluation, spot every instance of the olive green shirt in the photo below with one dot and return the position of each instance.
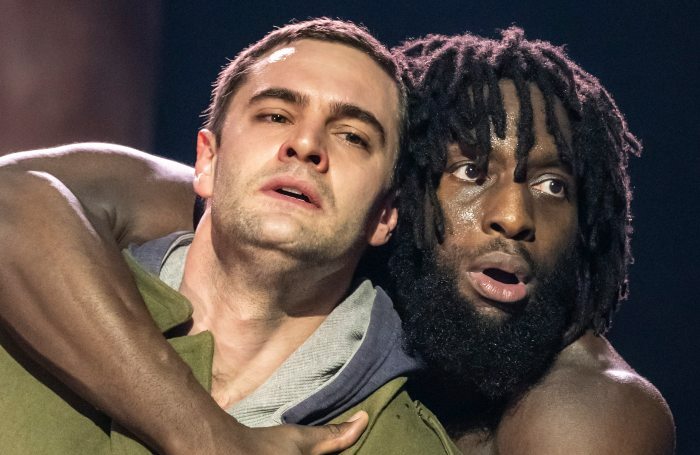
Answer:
(42, 416)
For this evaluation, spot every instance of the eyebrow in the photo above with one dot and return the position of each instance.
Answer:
(279, 93)
(551, 160)
(347, 110)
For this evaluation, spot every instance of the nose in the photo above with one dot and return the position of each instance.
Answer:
(508, 212)
(306, 145)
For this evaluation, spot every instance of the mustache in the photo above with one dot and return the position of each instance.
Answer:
(502, 246)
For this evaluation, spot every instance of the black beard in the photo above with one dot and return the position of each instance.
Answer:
(477, 364)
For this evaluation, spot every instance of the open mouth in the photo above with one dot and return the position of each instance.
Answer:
(501, 275)
(304, 193)
(498, 285)
(296, 194)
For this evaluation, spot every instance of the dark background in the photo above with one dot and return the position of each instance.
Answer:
(645, 53)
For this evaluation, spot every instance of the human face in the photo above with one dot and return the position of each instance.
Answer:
(499, 232)
(306, 155)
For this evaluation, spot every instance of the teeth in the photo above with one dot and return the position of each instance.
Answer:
(291, 190)
(293, 193)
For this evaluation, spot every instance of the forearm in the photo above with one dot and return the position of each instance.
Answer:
(69, 298)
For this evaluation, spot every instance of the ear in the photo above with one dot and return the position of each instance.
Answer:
(206, 163)
(386, 223)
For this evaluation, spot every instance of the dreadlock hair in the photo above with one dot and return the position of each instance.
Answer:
(455, 99)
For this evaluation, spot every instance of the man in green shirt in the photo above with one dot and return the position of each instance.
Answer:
(295, 163)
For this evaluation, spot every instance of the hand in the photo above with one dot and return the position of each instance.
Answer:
(299, 439)
(234, 438)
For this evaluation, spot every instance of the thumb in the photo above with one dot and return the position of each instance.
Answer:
(332, 438)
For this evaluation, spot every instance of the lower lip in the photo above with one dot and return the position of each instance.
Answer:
(290, 199)
(496, 290)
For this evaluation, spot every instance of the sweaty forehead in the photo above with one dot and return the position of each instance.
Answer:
(330, 72)
(543, 148)
(543, 140)
(511, 103)
(330, 62)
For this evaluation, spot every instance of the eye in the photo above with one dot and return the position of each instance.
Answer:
(355, 139)
(467, 171)
(552, 186)
(274, 118)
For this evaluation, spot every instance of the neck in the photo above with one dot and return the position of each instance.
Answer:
(259, 305)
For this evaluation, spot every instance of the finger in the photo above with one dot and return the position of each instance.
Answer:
(334, 438)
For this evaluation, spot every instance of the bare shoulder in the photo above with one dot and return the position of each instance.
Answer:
(591, 401)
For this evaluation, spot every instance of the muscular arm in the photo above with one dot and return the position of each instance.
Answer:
(135, 196)
(68, 297)
(590, 402)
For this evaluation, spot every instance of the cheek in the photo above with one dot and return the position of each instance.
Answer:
(555, 233)
(358, 182)
(462, 211)
(250, 143)
(557, 219)
(355, 195)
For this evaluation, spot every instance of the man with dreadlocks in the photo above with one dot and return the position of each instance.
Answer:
(512, 250)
